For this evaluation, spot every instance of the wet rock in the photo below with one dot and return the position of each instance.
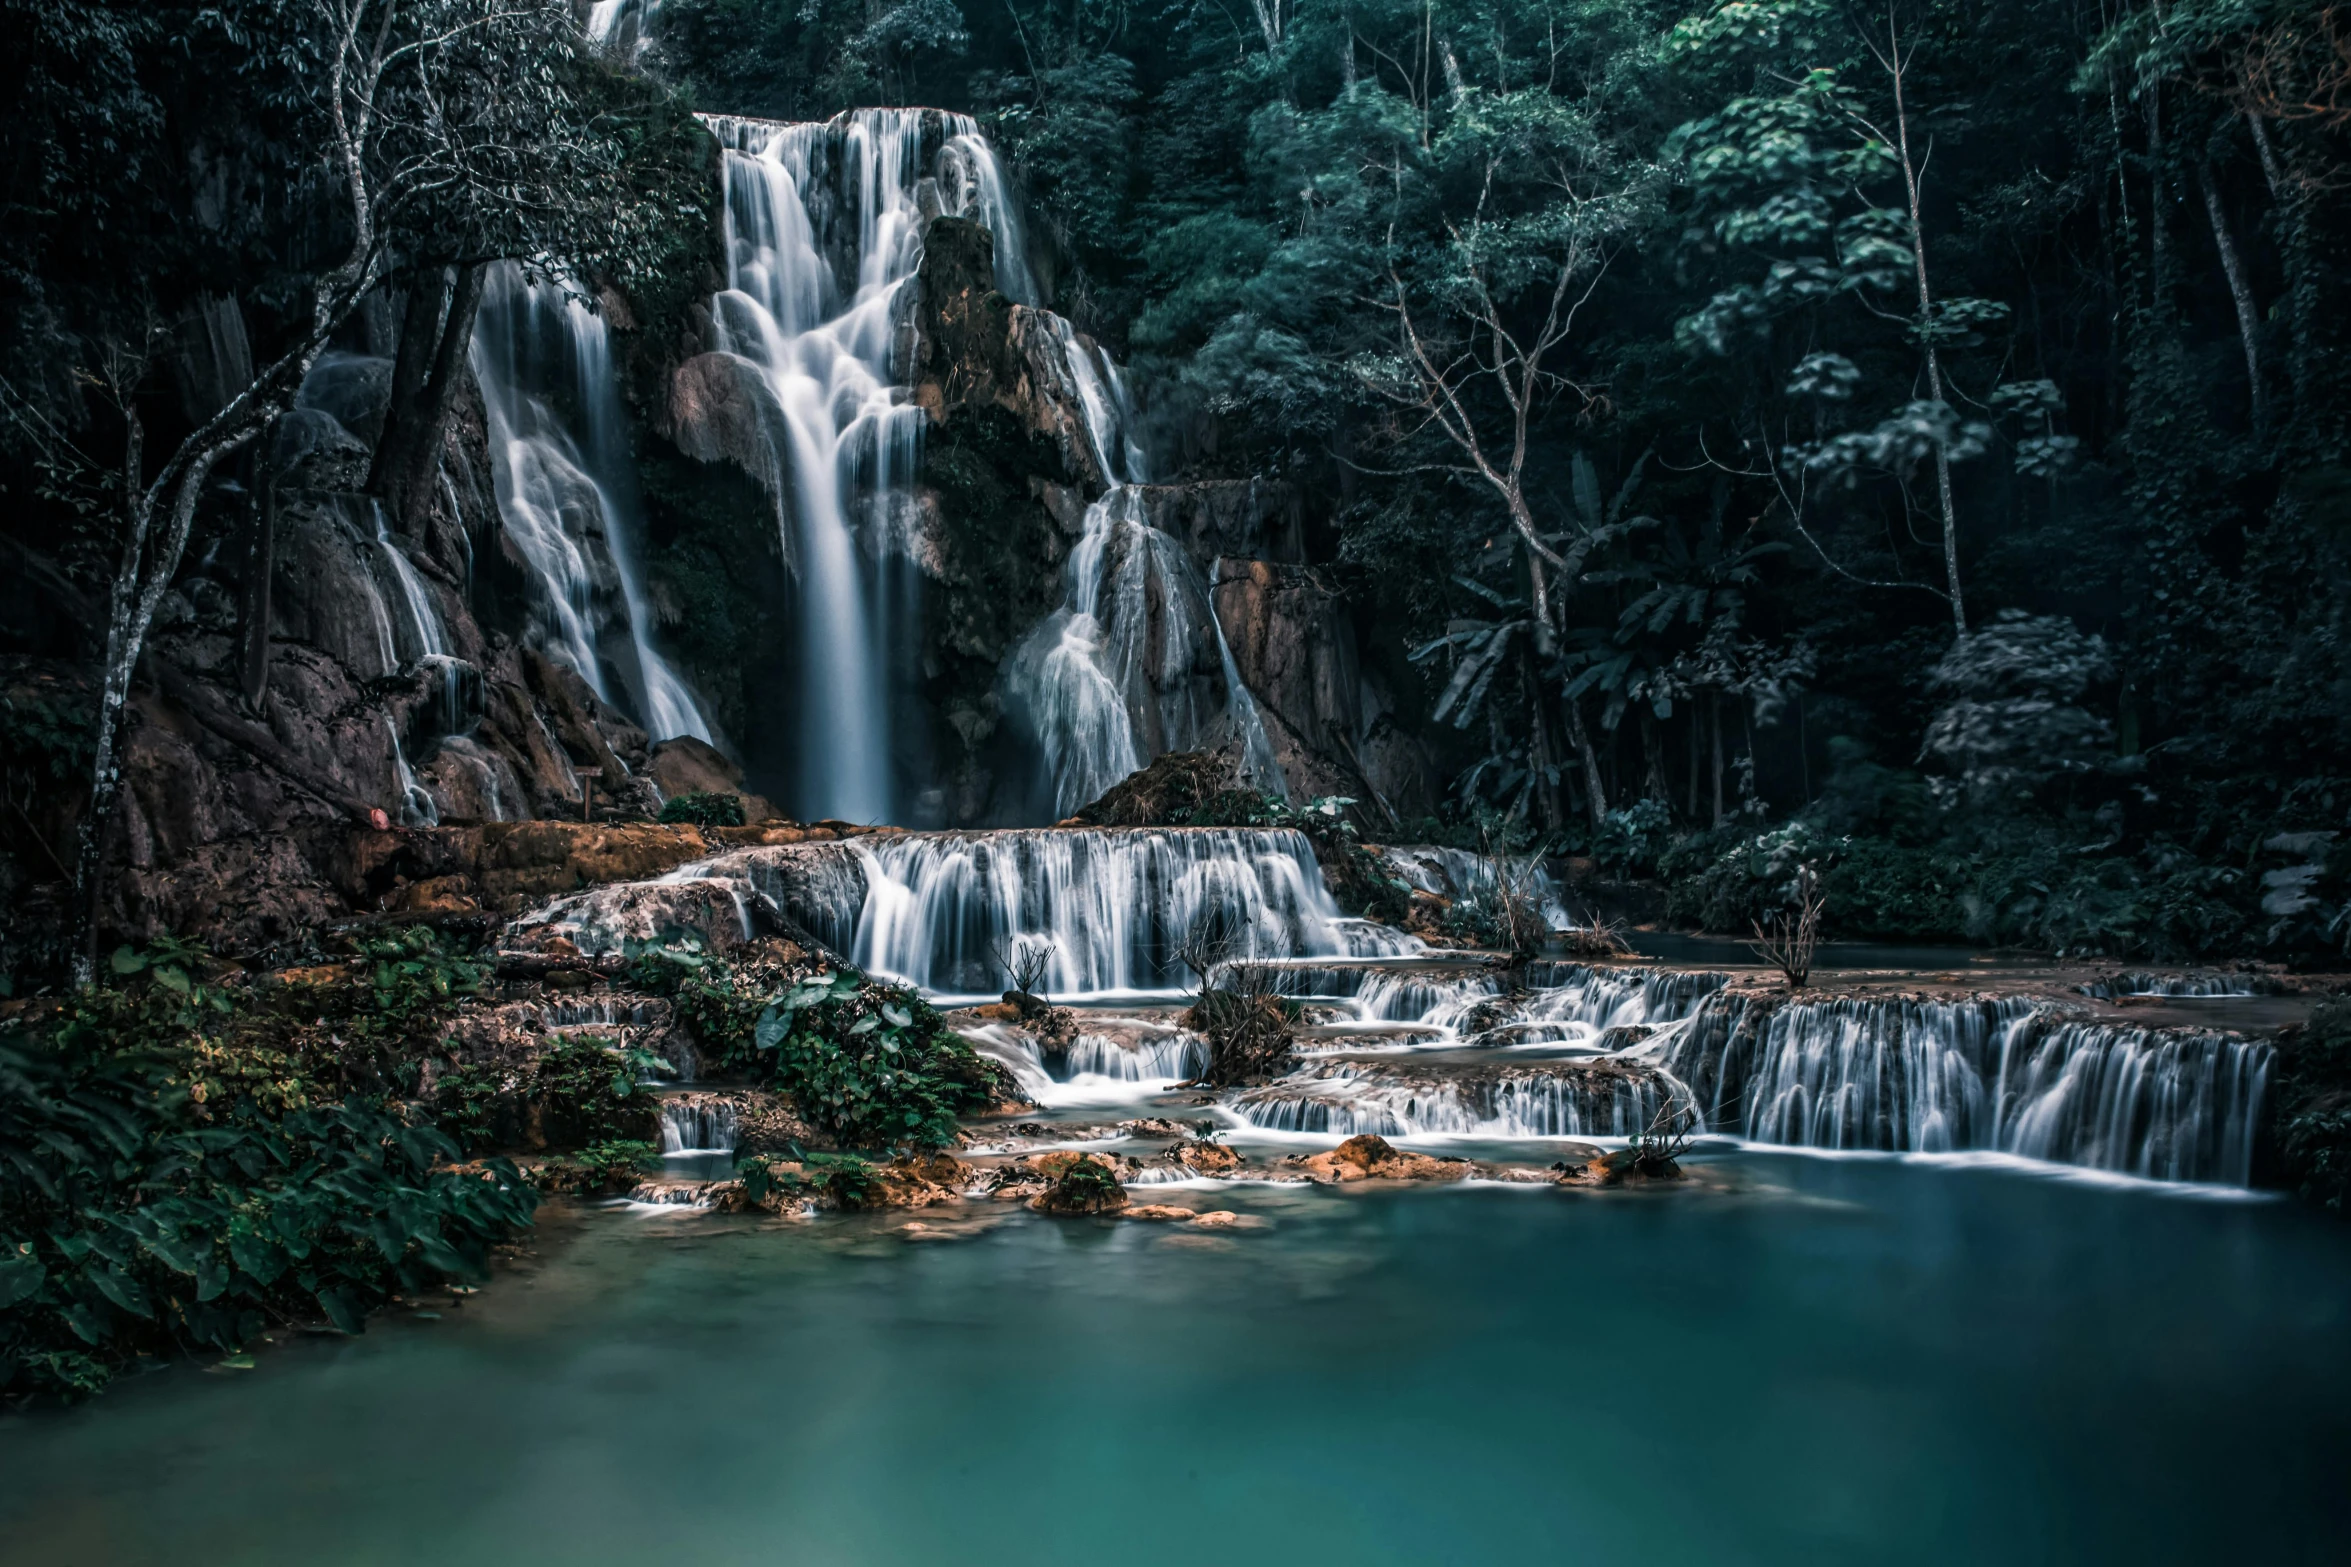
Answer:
(1617, 1168)
(1205, 1158)
(1156, 1212)
(920, 1181)
(1369, 1158)
(690, 766)
(1078, 1184)
(768, 1123)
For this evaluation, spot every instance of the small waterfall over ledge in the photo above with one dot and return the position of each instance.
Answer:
(2012, 1075)
(937, 909)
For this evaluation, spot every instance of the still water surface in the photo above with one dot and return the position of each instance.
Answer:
(1837, 1360)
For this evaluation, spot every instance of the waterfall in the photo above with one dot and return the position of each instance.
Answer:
(1113, 906)
(1111, 678)
(939, 910)
(1094, 1068)
(1348, 1099)
(823, 233)
(567, 492)
(1457, 874)
(2186, 987)
(2010, 1076)
(697, 1123)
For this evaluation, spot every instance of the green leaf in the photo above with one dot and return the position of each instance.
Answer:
(341, 1311)
(126, 962)
(123, 1290)
(257, 1258)
(20, 1275)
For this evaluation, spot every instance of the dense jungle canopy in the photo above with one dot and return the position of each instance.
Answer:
(1904, 438)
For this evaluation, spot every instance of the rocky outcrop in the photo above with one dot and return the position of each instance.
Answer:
(1375, 1159)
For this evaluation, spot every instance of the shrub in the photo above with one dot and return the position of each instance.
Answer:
(590, 1092)
(699, 808)
(159, 1195)
(2314, 1106)
(600, 1168)
(1630, 842)
(873, 1065)
(837, 1180)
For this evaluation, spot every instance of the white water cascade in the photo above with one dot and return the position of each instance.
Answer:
(2010, 1076)
(939, 910)
(567, 492)
(823, 236)
(1111, 679)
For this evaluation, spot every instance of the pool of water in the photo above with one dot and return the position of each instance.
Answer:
(1813, 1360)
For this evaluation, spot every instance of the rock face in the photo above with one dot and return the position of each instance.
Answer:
(386, 691)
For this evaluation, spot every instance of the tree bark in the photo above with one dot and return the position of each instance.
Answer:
(1595, 793)
(434, 334)
(1714, 704)
(2240, 294)
(1896, 67)
(260, 566)
(1544, 757)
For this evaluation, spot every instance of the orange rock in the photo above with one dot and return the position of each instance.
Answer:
(1369, 1158)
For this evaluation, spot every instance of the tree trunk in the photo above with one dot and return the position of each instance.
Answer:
(253, 610)
(1653, 786)
(1926, 323)
(139, 586)
(1544, 758)
(2240, 294)
(434, 334)
(1595, 793)
(1714, 705)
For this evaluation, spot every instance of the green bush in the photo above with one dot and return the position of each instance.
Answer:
(590, 1092)
(1630, 842)
(170, 1182)
(840, 1180)
(709, 996)
(873, 1065)
(696, 808)
(2314, 1106)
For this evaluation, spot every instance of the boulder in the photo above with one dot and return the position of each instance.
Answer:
(1078, 1184)
(1205, 1158)
(1369, 1158)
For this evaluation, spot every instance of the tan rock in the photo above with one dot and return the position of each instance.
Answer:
(1369, 1158)
(1205, 1158)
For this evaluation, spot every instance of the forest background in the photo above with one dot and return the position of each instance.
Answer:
(1905, 440)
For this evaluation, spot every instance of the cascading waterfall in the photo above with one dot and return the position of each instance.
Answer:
(1348, 1099)
(2183, 987)
(941, 910)
(1093, 1068)
(566, 491)
(697, 1123)
(1111, 678)
(842, 439)
(2010, 1076)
